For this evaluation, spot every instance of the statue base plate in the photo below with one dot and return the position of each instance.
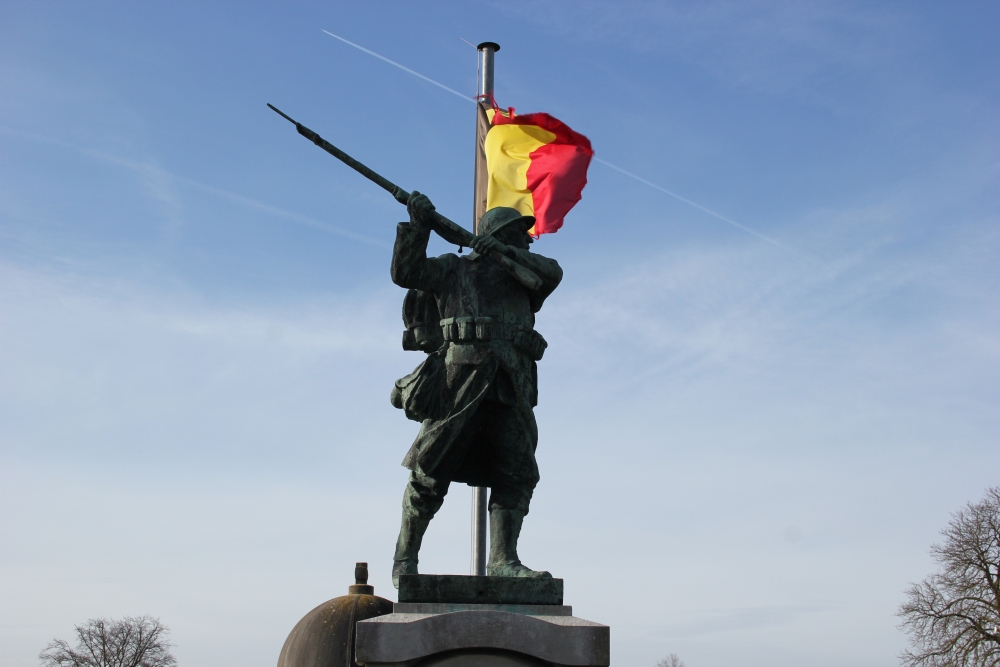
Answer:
(485, 635)
(461, 589)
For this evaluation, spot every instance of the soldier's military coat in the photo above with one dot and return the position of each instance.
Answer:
(487, 361)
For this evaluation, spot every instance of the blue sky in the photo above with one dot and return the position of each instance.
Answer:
(746, 450)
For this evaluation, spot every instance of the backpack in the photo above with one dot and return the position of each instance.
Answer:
(422, 321)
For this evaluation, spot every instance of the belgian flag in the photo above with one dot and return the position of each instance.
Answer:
(531, 162)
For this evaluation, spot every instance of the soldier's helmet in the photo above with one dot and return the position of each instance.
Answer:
(499, 217)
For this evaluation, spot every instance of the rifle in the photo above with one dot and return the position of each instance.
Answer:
(446, 229)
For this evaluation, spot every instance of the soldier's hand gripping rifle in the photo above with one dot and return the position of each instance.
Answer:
(446, 229)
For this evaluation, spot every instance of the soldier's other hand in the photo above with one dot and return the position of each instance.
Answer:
(486, 243)
(421, 210)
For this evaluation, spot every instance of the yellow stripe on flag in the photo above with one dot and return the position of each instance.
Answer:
(508, 153)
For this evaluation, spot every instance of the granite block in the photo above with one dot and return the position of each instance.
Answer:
(464, 589)
(477, 637)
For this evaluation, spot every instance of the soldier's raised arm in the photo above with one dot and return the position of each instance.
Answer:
(411, 267)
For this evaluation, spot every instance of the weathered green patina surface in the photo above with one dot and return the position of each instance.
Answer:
(475, 392)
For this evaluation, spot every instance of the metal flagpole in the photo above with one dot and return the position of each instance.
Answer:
(484, 88)
(484, 93)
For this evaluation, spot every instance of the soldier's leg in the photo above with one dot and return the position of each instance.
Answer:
(514, 474)
(421, 501)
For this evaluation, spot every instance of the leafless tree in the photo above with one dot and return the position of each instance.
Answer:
(670, 661)
(131, 642)
(953, 616)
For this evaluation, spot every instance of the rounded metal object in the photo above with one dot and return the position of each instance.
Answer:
(325, 636)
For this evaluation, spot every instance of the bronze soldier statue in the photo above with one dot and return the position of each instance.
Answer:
(475, 393)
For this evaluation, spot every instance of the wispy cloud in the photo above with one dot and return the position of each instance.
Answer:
(117, 357)
(318, 325)
(699, 623)
(158, 183)
(732, 308)
(778, 46)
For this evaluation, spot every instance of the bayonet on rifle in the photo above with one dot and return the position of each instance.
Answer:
(446, 229)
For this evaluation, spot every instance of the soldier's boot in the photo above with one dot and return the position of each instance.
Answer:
(411, 533)
(505, 527)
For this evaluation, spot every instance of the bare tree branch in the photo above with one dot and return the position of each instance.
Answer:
(670, 661)
(953, 616)
(131, 642)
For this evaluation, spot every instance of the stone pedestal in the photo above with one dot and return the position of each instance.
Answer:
(506, 631)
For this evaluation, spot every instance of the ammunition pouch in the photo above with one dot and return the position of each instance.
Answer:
(531, 343)
(485, 329)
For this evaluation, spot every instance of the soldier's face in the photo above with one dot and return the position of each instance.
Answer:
(513, 236)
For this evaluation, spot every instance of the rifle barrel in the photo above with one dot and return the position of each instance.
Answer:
(450, 231)
(397, 192)
(282, 113)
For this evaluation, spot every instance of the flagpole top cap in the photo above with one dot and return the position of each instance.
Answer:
(489, 45)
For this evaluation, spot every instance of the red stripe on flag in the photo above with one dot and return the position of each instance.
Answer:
(556, 177)
(558, 170)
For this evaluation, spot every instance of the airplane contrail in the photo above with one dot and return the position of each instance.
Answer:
(596, 159)
(470, 98)
(695, 204)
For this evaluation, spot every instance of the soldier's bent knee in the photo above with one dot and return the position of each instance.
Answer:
(511, 497)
